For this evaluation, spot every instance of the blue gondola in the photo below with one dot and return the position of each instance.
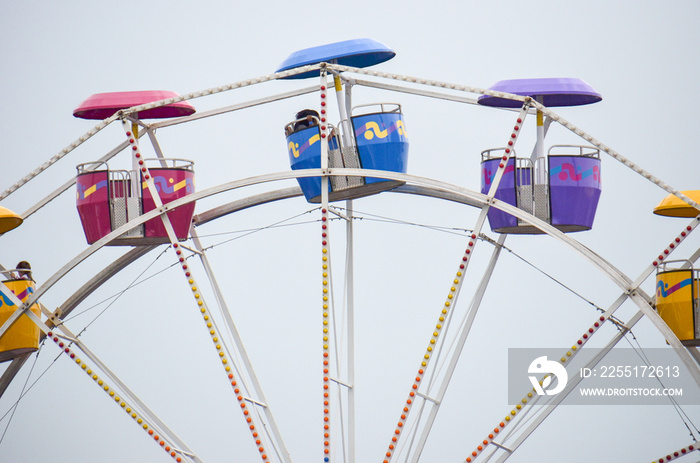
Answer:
(378, 142)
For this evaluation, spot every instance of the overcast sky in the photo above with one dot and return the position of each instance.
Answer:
(641, 57)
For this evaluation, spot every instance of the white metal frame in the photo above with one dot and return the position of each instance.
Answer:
(631, 289)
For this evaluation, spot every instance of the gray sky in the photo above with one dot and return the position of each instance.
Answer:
(639, 56)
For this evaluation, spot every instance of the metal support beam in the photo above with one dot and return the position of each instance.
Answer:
(463, 333)
(127, 393)
(571, 384)
(236, 107)
(278, 442)
(574, 381)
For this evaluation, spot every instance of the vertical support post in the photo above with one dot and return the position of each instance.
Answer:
(344, 108)
(338, 83)
(134, 184)
(135, 132)
(348, 106)
(350, 279)
(539, 161)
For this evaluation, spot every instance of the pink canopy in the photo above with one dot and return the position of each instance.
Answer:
(104, 105)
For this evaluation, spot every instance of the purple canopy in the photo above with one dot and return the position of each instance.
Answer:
(104, 105)
(552, 91)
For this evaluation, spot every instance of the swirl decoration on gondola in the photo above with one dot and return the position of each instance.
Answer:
(85, 191)
(568, 171)
(662, 289)
(489, 175)
(371, 129)
(295, 150)
(21, 296)
(168, 186)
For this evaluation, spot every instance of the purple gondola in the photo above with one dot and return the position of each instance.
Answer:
(561, 188)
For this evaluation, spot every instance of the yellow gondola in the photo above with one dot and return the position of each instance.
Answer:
(23, 336)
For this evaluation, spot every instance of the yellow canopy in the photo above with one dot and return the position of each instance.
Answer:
(9, 220)
(672, 206)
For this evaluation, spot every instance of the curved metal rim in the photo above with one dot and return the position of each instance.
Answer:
(467, 196)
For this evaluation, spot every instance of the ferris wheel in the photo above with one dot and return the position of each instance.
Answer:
(152, 208)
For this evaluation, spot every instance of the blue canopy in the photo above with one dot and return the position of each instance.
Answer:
(359, 53)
